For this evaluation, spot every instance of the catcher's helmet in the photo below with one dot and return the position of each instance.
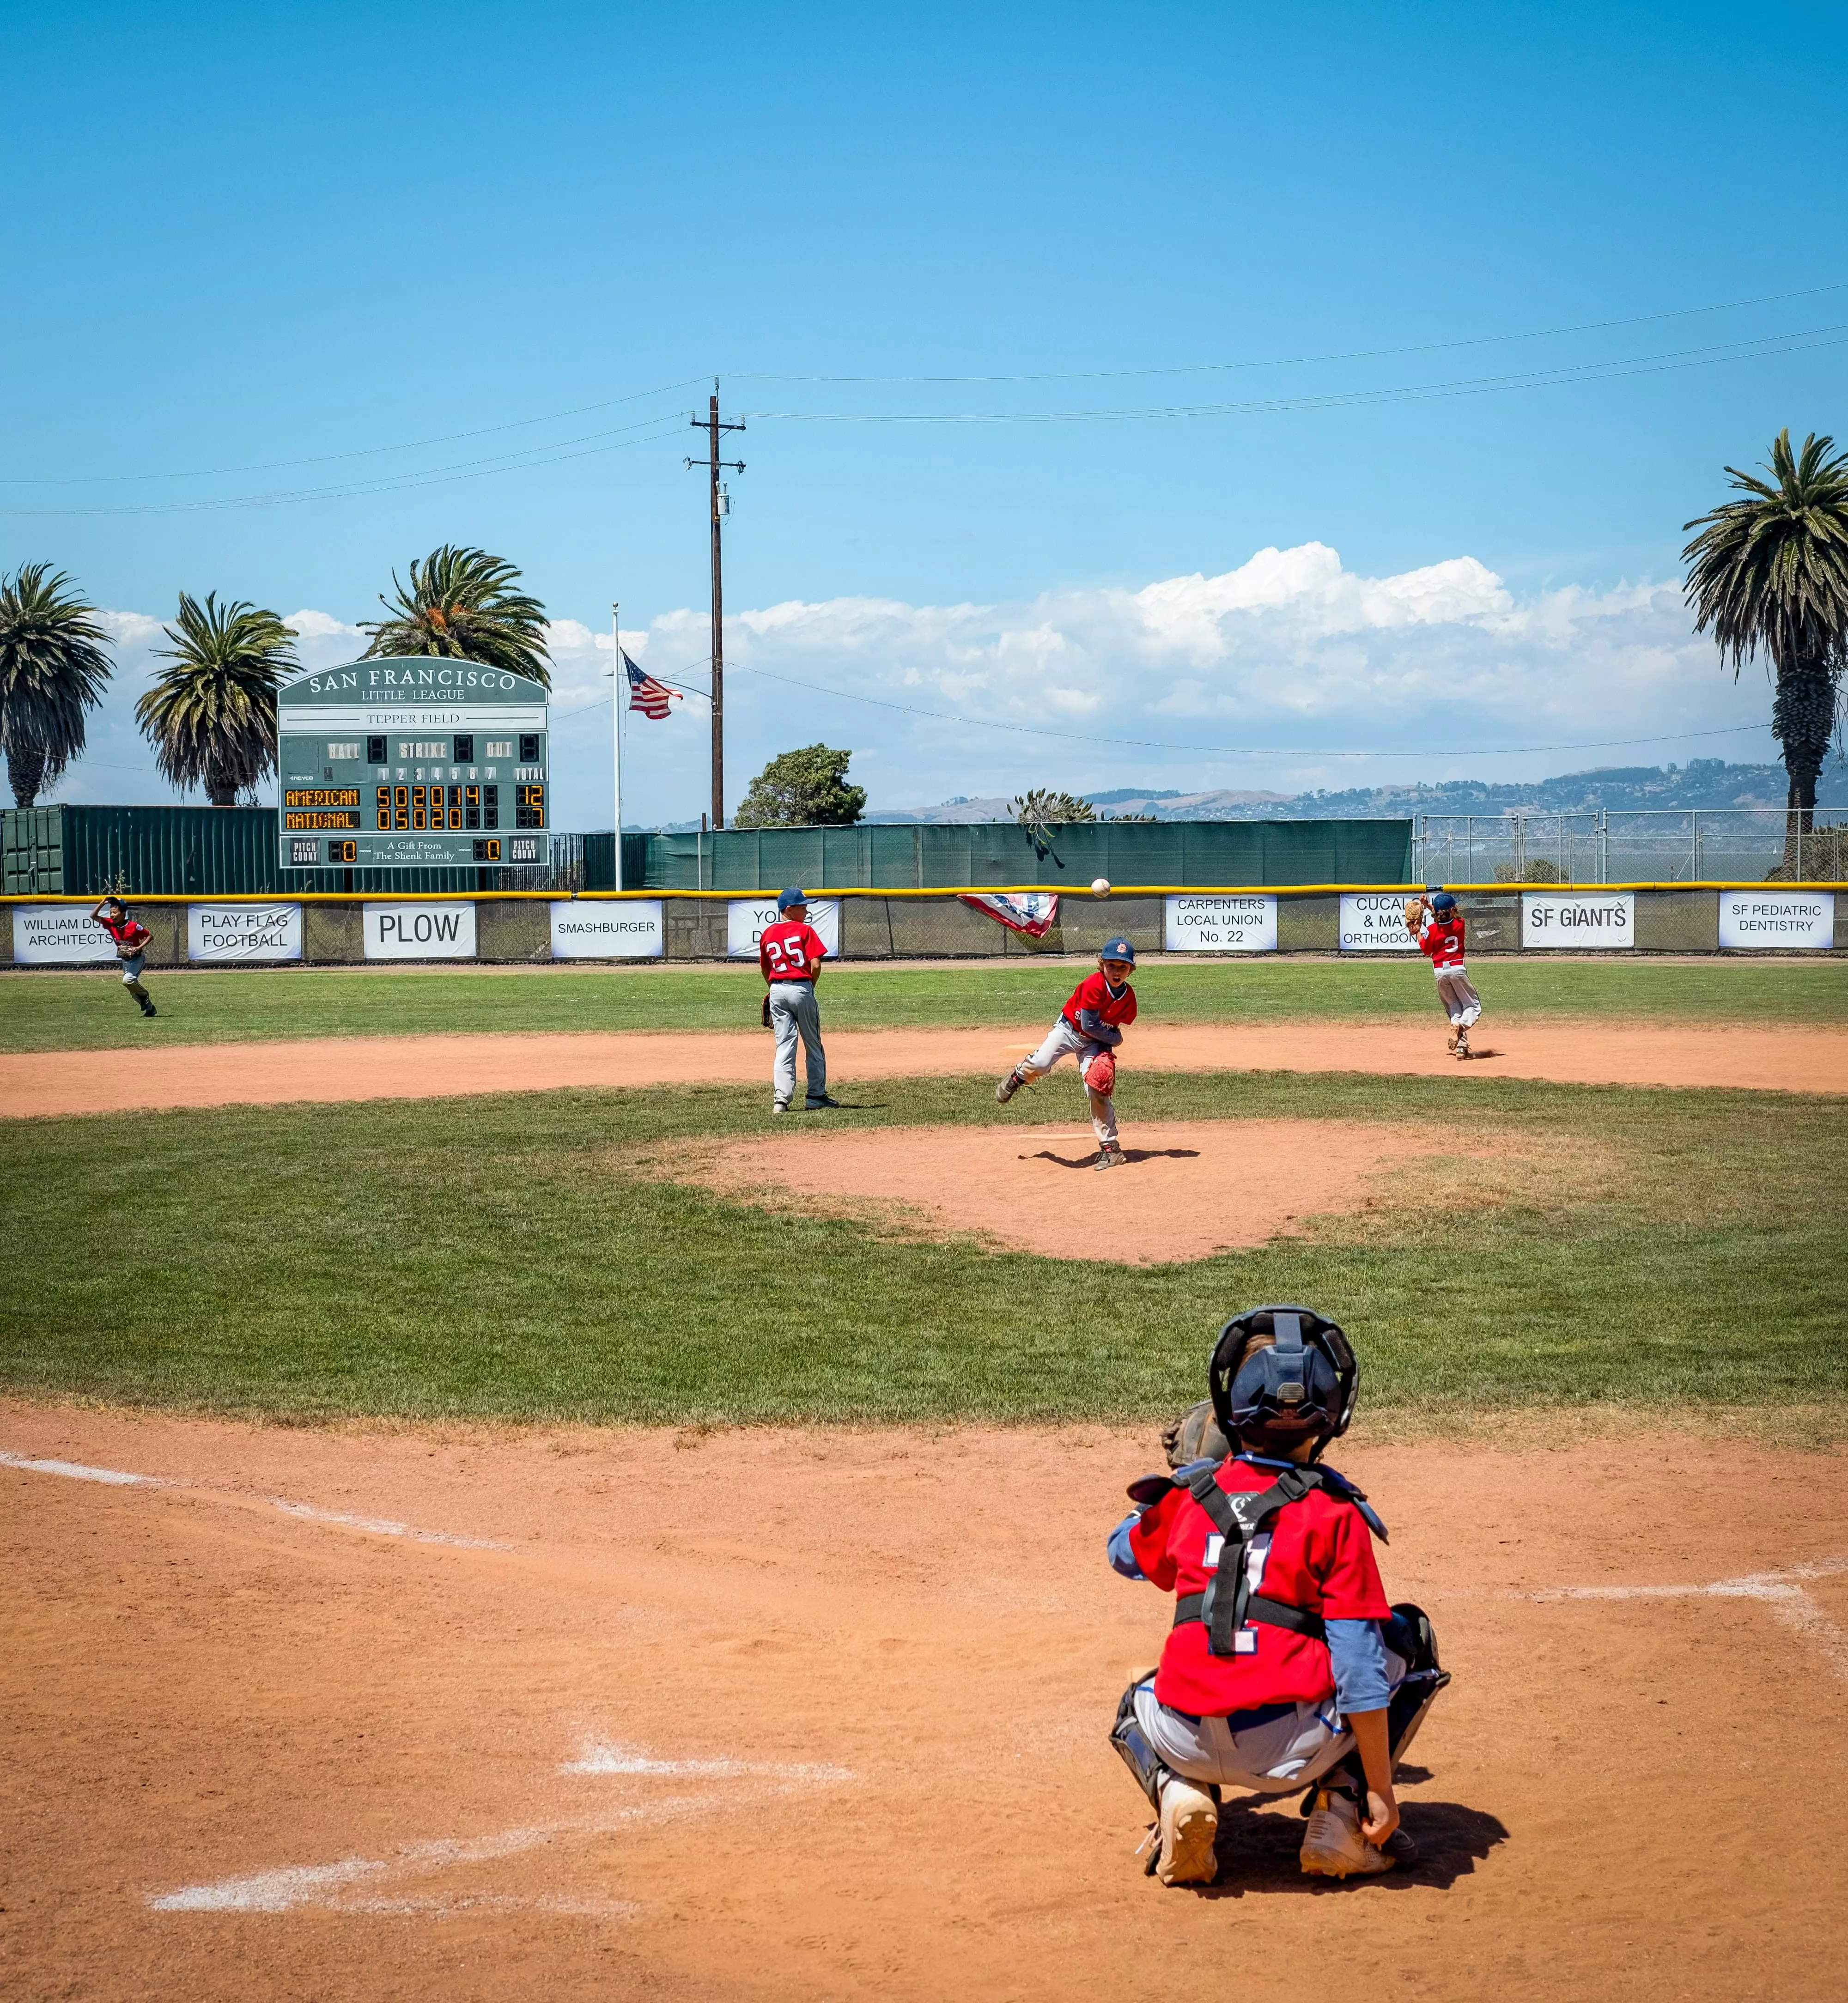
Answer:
(1442, 900)
(1302, 1385)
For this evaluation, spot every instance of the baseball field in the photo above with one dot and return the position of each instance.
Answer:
(490, 1511)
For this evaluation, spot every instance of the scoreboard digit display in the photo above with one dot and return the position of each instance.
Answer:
(423, 762)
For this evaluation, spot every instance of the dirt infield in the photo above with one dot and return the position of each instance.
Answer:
(435, 1067)
(1189, 1188)
(821, 1714)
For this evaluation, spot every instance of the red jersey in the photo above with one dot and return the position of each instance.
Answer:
(785, 949)
(129, 934)
(1115, 1008)
(1316, 1554)
(1441, 942)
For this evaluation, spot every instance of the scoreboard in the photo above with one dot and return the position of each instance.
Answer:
(417, 763)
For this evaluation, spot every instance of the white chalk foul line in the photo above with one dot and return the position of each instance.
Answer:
(75, 1471)
(355, 1884)
(375, 1526)
(1781, 1591)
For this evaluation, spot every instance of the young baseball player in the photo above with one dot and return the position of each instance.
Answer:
(130, 937)
(789, 956)
(1089, 1028)
(1437, 925)
(1285, 1667)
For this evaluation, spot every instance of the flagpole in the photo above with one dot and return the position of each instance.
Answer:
(621, 690)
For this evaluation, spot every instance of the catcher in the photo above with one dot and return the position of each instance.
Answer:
(1089, 1028)
(1436, 924)
(1285, 1667)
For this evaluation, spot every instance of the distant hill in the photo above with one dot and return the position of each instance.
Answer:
(1702, 782)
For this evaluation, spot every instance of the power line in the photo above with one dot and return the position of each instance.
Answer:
(1600, 372)
(1304, 361)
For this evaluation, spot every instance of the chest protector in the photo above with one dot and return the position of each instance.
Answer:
(1228, 1604)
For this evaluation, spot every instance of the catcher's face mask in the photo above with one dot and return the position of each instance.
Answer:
(1301, 1385)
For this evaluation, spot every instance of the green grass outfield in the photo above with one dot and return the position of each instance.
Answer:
(519, 1257)
(89, 1011)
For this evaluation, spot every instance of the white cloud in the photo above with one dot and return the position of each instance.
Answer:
(1254, 677)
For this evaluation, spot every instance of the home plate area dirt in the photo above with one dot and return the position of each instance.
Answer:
(821, 1713)
(1188, 1189)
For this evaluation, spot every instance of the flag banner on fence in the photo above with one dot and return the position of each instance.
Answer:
(1033, 912)
(645, 693)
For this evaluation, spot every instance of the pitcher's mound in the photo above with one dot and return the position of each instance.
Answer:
(1188, 1189)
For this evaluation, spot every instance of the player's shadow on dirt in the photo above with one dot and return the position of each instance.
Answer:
(1130, 1155)
(1257, 1849)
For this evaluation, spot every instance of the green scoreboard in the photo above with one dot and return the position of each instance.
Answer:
(420, 763)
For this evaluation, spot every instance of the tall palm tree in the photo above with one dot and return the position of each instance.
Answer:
(211, 716)
(1771, 572)
(462, 603)
(52, 669)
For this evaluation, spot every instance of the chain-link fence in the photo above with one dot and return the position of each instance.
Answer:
(1703, 844)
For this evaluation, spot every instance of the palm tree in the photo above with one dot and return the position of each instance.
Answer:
(211, 717)
(462, 603)
(1771, 572)
(52, 669)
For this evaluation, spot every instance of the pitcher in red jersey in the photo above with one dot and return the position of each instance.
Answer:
(1435, 921)
(1090, 1027)
(1285, 1666)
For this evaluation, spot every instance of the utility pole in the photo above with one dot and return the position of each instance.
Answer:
(711, 427)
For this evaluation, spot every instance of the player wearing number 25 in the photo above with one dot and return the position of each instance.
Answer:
(790, 953)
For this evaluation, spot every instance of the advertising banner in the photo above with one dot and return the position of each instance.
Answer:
(243, 931)
(746, 918)
(1590, 920)
(59, 935)
(1375, 924)
(625, 931)
(420, 932)
(1784, 921)
(1222, 925)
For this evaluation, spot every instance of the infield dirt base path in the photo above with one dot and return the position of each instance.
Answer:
(822, 1715)
(440, 1066)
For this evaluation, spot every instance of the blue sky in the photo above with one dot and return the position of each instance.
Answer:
(923, 249)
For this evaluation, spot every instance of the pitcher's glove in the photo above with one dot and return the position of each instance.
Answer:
(1415, 908)
(1194, 1436)
(763, 1010)
(1099, 1074)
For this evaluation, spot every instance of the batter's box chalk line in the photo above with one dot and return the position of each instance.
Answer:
(1782, 1592)
(368, 1884)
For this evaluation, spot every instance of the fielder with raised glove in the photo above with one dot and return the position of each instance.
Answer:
(1090, 1028)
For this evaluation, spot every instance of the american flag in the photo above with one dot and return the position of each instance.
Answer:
(645, 693)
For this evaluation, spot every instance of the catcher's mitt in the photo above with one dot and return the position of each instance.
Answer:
(1194, 1436)
(764, 1010)
(1099, 1074)
(1414, 914)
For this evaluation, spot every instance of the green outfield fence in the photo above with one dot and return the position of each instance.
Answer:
(522, 927)
(231, 852)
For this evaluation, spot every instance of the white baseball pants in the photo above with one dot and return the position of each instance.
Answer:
(793, 1014)
(1461, 1003)
(1066, 1042)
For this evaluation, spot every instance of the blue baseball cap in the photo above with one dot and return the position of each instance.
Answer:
(1442, 900)
(786, 898)
(1119, 949)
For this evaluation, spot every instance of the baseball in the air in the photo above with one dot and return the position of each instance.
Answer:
(1100, 887)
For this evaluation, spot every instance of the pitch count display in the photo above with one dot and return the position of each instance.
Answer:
(425, 763)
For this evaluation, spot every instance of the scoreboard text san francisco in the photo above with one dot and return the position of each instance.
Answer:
(422, 762)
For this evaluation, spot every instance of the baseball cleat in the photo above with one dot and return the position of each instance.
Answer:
(1333, 1844)
(1462, 1046)
(1110, 1158)
(1189, 1826)
(779, 1109)
(1009, 1086)
(148, 1008)
(818, 1105)
(1450, 1042)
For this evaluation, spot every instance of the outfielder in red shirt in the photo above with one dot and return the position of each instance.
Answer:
(1285, 1667)
(131, 937)
(1089, 1028)
(1436, 924)
(789, 957)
